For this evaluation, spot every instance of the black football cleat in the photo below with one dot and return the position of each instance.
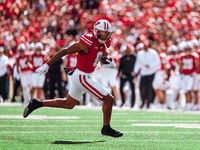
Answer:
(32, 105)
(108, 131)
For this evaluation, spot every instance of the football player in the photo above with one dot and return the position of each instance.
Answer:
(160, 82)
(37, 60)
(90, 48)
(188, 66)
(174, 76)
(24, 70)
(196, 85)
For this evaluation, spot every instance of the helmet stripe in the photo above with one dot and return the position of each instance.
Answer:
(107, 25)
(104, 25)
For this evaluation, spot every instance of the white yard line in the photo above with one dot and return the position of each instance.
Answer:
(127, 132)
(49, 126)
(168, 125)
(37, 117)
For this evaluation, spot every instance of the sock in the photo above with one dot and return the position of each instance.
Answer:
(106, 126)
(38, 103)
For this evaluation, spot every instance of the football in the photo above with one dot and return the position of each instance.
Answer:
(105, 58)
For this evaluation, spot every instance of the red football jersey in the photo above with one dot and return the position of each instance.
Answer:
(37, 60)
(173, 61)
(22, 61)
(87, 62)
(71, 61)
(188, 64)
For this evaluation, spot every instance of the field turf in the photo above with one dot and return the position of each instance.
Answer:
(51, 128)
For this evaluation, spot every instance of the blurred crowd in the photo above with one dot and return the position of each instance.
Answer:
(59, 22)
(56, 23)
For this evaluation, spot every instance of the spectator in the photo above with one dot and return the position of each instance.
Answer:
(55, 76)
(3, 72)
(125, 73)
(149, 62)
(37, 59)
(24, 71)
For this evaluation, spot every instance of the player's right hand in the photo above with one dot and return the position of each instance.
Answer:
(42, 70)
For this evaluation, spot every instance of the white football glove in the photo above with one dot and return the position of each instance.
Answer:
(42, 70)
(110, 65)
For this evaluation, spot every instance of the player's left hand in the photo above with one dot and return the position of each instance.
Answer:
(110, 65)
(43, 69)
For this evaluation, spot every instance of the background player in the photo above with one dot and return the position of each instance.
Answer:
(24, 71)
(160, 82)
(188, 67)
(37, 60)
(90, 48)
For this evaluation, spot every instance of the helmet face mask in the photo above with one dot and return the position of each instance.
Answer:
(102, 31)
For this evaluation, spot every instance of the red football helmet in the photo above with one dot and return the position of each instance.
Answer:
(102, 30)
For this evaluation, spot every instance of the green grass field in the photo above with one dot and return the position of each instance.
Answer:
(80, 129)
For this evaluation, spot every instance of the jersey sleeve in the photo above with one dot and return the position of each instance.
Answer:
(86, 40)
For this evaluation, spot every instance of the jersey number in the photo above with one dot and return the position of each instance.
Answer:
(99, 55)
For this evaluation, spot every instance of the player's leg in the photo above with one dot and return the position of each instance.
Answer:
(39, 86)
(196, 92)
(107, 108)
(122, 82)
(163, 97)
(72, 98)
(69, 103)
(95, 89)
(107, 111)
(116, 94)
(3, 87)
(25, 83)
(142, 87)
(189, 87)
(39, 91)
(196, 100)
(16, 85)
(132, 84)
(33, 91)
